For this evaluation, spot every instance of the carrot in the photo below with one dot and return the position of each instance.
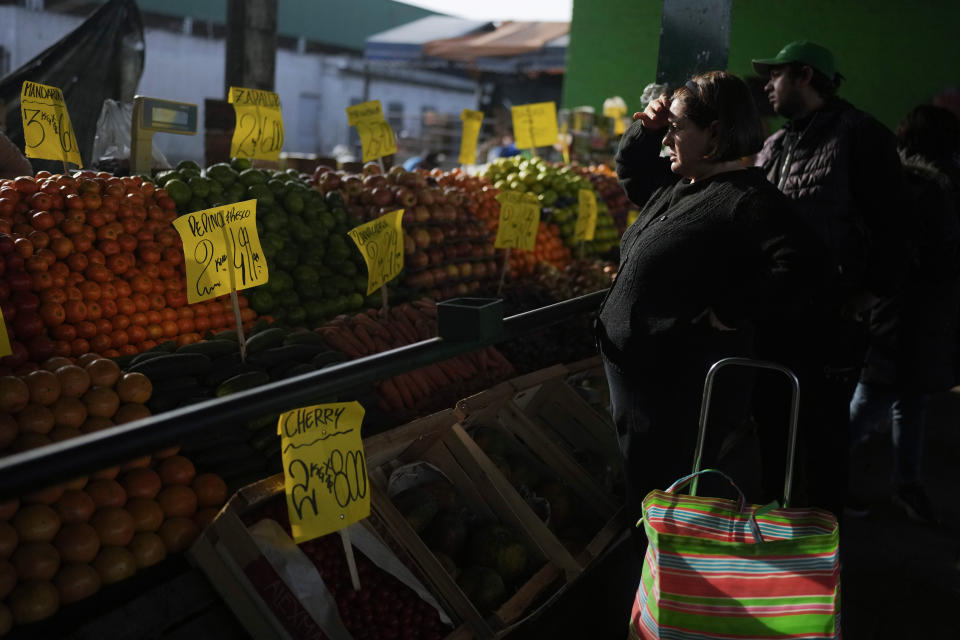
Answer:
(399, 321)
(333, 337)
(436, 375)
(467, 366)
(372, 326)
(364, 338)
(422, 382)
(391, 395)
(424, 330)
(405, 391)
(426, 307)
(344, 335)
(451, 370)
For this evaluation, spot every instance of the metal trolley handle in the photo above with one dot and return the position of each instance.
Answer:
(794, 413)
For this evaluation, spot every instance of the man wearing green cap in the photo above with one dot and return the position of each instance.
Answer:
(840, 166)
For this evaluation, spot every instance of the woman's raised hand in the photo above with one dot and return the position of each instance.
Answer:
(654, 117)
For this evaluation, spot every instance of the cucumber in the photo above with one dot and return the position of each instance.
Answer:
(185, 384)
(242, 382)
(266, 339)
(146, 355)
(259, 326)
(226, 369)
(297, 370)
(303, 336)
(226, 335)
(327, 358)
(173, 365)
(291, 353)
(212, 348)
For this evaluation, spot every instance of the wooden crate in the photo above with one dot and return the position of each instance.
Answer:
(232, 561)
(445, 449)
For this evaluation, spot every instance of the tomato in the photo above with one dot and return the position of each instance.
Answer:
(36, 523)
(33, 601)
(77, 543)
(76, 582)
(178, 533)
(52, 314)
(74, 506)
(114, 525)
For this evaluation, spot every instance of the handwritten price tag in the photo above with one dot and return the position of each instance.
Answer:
(222, 250)
(376, 136)
(586, 216)
(471, 131)
(519, 221)
(535, 125)
(324, 469)
(259, 130)
(47, 131)
(5, 349)
(381, 243)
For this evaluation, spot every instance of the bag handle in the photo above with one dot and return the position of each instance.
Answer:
(741, 501)
(705, 412)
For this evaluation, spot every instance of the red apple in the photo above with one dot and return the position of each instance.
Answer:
(404, 196)
(466, 270)
(371, 168)
(352, 185)
(421, 213)
(372, 181)
(329, 181)
(439, 274)
(424, 197)
(450, 252)
(421, 237)
(479, 270)
(418, 260)
(436, 235)
(436, 256)
(380, 196)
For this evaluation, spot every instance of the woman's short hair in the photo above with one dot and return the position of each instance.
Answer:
(721, 97)
(931, 132)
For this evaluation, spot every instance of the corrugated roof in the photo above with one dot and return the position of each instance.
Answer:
(406, 42)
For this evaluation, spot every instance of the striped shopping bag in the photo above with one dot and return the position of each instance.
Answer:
(718, 568)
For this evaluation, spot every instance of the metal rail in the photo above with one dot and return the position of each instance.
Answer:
(32, 470)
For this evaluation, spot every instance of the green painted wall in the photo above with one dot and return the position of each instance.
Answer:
(894, 54)
(613, 51)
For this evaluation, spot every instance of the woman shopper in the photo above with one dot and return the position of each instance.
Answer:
(715, 252)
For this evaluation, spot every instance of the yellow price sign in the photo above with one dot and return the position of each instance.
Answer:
(324, 469)
(47, 130)
(5, 348)
(519, 221)
(471, 132)
(259, 129)
(222, 250)
(616, 113)
(586, 223)
(535, 125)
(376, 136)
(381, 243)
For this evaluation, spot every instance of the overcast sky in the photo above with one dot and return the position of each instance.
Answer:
(528, 10)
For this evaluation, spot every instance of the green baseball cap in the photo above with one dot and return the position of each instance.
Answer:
(802, 51)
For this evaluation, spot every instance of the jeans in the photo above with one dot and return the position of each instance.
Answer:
(907, 411)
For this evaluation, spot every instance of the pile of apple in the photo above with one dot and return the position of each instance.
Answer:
(448, 251)
(557, 188)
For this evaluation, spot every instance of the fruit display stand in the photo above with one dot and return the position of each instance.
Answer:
(253, 585)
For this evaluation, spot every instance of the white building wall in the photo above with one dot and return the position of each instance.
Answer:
(314, 89)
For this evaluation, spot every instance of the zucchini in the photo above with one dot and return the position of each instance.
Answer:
(266, 339)
(303, 336)
(291, 353)
(146, 355)
(327, 358)
(213, 349)
(225, 369)
(242, 382)
(227, 335)
(173, 365)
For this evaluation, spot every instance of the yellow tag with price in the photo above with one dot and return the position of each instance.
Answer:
(221, 249)
(586, 223)
(5, 349)
(324, 469)
(259, 129)
(616, 113)
(381, 243)
(535, 125)
(519, 221)
(376, 136)
(47, 131)
(471, 131)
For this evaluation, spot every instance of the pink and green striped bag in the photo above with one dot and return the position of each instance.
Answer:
(717, 568)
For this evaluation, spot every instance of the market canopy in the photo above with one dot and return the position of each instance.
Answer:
(509, 39)
(406, 42)
(457, 43)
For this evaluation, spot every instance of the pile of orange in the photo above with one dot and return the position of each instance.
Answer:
(61, 544)
(549, 248)
(92, 263)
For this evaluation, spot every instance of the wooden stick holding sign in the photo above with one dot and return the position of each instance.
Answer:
(222, 253)
(381, 244)
(517, 226)
(351, 561)
(325, 472)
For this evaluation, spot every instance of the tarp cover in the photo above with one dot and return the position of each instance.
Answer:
(87, 66)
(406, 42)
(509, 39)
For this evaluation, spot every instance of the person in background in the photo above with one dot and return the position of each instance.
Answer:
(12, 161)
(427, 161)
(715, 248)
(840, 166)
(507, 148)
(914, 334)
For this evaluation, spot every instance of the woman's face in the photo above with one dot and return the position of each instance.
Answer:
(688, 144)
